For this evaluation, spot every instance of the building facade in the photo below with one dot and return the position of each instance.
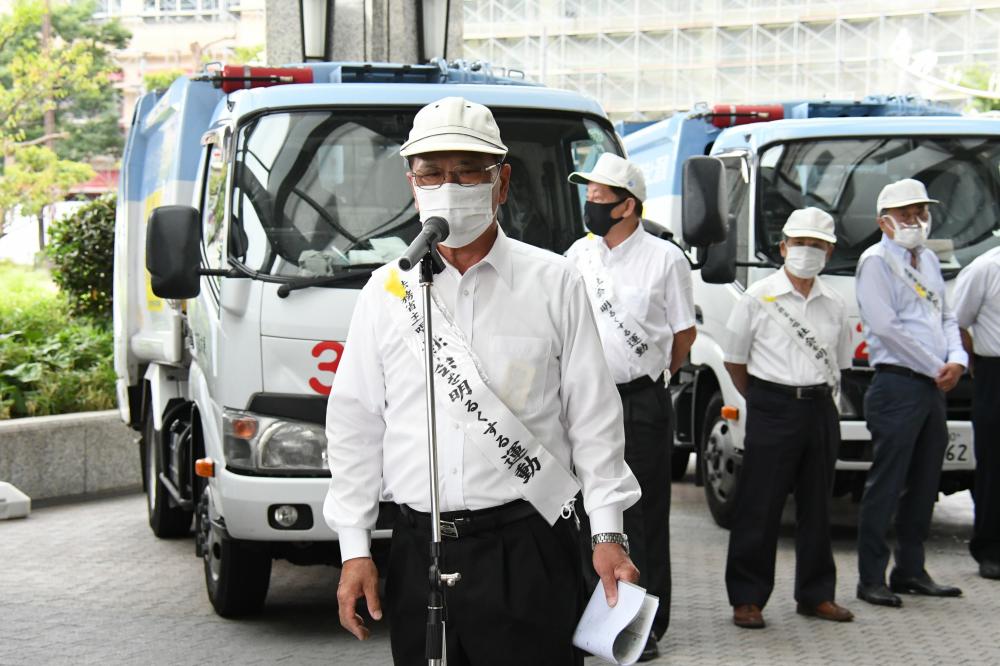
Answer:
(643, 59)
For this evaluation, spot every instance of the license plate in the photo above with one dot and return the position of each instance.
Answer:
(959, 447)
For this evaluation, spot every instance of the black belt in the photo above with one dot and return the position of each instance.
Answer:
(812, 392)
(458, 524)
(636, 385)
(904, 371)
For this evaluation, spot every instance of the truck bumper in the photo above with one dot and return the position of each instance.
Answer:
(245, 502)
(856, 447)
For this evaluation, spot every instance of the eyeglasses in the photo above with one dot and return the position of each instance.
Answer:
(432, 179)
(910, 219)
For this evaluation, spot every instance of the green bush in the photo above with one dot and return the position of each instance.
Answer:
(82, 250)
(50, 363)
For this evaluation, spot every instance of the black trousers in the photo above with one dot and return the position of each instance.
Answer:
(906, 417)
(649, 440)
(791, 446)
(518, 601)
(985, 543)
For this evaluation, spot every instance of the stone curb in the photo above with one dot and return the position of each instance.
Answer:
(70, 456)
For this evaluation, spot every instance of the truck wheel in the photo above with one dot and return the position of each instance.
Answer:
(165, 520)
(720, 463)
(679, 464)
(237, 575)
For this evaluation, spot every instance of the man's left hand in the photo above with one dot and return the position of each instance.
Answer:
(613, 564)
(949, 375)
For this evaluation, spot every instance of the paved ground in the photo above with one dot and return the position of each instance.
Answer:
(89, 584)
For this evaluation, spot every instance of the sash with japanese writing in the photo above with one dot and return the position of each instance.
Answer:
(617, 324)
(462, 390)
(806, 340)
(914, 280)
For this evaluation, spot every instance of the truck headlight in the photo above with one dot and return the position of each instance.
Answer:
(267, 444)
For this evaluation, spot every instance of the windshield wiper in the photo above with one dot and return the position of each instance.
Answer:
(348, 274)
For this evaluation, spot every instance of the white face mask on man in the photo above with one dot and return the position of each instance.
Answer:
(468, 210)
(803, 261)
(910, 237)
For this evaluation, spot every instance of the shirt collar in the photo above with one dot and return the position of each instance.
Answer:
(633, 240)
(784, 286)
(499, 258)
(898, 250)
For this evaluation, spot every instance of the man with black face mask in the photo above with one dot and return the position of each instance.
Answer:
(640, 290)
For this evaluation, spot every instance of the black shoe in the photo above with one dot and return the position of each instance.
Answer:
(990, 569)
(922, 584)
(878, 594)
(652, 650)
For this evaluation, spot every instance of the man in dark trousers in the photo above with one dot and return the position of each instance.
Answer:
(977, 309)
(514, 449)
(916, 350)
(788, 340)
(640, 290)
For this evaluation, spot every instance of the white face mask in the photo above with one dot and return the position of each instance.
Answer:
(910, 237)
(468, 210)
(803, 261)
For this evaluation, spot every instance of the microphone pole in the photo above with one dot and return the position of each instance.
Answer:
(422, 250)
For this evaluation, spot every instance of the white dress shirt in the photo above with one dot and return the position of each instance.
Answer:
(899, 327)
(525, 313)
(760, 343)
(652, 280)
(977, 302)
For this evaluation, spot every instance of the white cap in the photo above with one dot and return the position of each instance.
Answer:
(902, 193)
(454, 123)
(614, 171)
(810, 223)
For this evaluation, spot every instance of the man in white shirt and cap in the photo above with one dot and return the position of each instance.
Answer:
(525, 419)
(789, 338)
(977, 310)
(916, 350)
(640, 290)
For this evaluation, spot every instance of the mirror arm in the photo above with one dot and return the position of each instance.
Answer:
(757, 264)
(220, 272)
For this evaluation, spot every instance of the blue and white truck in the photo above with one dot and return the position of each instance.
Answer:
(836, 156)
(254, 203)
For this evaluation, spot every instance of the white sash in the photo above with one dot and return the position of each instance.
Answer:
(915, 281)
(620, 327)
(806, 340)
(461, 388)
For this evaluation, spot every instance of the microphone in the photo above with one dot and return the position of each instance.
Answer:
(435, 230)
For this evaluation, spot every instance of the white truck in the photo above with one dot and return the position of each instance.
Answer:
(836, 156)
(254, 204)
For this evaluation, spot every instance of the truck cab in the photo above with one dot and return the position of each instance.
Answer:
(248, 221)
(837, 158)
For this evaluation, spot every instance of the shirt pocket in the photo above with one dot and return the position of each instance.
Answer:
(519, 369)
(635, 300)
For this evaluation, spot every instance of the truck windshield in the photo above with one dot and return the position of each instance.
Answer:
(844, 177)
(317, 192)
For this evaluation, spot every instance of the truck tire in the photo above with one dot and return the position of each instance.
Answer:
(165, 519)
(720, 463)
(237, 574)
(679, 464)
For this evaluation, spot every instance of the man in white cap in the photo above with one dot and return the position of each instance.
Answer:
(916, 350)
(640, 290)
(977, 309)
(525, 419)
(789, 338)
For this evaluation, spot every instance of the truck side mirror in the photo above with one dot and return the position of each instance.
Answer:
(173, 252)
(718, 261)
(704, 207)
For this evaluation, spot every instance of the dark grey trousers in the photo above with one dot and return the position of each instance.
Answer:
(985, 543)
(907, 420)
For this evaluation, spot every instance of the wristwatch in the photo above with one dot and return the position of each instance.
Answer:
(610, 537)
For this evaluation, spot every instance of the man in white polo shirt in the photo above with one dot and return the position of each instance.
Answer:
(640, 290)
(513, 451)
(977, 309)
(788, 340)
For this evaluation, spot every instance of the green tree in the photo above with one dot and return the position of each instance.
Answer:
(82, 250)
(978, 77)
(160, 80)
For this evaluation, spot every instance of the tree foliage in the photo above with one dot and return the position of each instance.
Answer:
(82, 250)
(160, 80)
(979, 77)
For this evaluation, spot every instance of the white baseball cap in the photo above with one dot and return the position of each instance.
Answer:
(454, 123)
(614, 171)
(902, 193)
(810, 223)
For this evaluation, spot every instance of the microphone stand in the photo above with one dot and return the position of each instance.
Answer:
(434, 646)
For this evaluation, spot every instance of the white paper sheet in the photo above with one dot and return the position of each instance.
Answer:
(617, 634)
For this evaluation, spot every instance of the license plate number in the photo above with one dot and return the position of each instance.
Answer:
(959, 447)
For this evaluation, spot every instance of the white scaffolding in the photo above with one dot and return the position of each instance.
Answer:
(643, 59)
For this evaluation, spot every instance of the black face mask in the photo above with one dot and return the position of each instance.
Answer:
(597, 217)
